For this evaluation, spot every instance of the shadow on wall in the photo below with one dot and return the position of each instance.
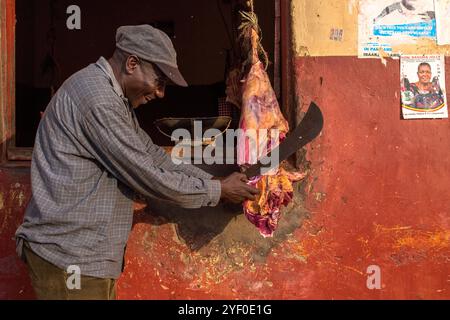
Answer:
(223, 227)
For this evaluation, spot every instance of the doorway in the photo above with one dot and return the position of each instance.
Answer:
(48, 52)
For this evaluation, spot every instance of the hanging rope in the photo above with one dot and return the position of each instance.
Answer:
(251, 6)
(247, 28)
(250, 49)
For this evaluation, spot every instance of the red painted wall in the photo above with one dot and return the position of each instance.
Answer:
(381, 194)
(14, 195)
(377, 194)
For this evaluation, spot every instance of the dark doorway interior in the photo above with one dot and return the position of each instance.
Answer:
(47, 52)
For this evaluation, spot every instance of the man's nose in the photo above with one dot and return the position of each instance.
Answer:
(160, 92)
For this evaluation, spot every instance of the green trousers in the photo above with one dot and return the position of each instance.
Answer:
(50, 283)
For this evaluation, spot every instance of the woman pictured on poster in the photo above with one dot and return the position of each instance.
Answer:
(424, 94)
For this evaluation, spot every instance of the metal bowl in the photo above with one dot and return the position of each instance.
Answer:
(168, 125)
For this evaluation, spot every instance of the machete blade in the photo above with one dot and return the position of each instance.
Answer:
(308, 129)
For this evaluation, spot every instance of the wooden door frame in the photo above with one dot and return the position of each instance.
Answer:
(7, 94)
(288, 100)
(9, 154)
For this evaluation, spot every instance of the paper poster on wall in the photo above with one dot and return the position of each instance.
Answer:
(423, 87)
(442, 8)
(386, 23)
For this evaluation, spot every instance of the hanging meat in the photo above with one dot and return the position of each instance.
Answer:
(260, 114)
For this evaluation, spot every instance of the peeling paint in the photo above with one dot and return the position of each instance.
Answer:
(383, 56)
(319, 196)
(17, 198)
(437, 240)
(422, 46)
(303, 51)
(295, 250)
(404, 244)
(354, 270)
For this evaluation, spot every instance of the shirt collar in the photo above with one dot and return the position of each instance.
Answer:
(103, 64)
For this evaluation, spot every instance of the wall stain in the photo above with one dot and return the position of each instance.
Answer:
(404, 244)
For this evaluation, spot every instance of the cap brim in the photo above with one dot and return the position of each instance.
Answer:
(173, 74)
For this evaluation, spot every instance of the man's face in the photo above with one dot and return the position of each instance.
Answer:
(424, 74)
(144, 84)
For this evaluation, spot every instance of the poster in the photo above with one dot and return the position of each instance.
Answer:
(386, 23)
(442, 8)
(423, 87)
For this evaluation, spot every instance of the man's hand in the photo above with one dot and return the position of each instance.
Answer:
(236, 190)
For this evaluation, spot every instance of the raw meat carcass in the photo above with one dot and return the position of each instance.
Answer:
(276, 191)
(260, 110)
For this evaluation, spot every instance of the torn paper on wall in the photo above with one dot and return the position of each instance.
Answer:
(423, 87)
(384, 24)
(442, 8)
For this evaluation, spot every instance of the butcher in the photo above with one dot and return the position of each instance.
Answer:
(91, 157)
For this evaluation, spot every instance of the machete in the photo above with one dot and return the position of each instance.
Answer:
(308, 129)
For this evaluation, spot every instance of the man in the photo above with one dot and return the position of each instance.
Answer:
(91, 156)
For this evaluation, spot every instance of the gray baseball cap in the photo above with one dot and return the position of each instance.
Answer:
(152, 45)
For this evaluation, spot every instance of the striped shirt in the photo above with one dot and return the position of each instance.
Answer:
(89, 160)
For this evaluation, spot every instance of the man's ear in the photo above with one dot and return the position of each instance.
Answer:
(131, 64)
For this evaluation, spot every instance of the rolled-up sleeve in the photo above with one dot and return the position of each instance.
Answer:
(141, 165)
